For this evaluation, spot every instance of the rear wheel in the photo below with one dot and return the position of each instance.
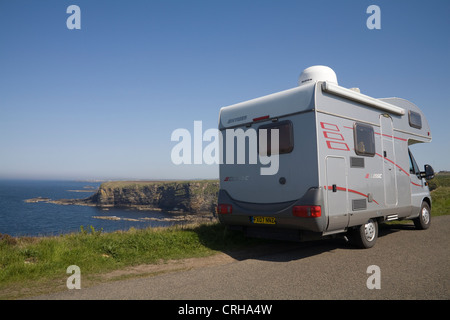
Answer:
(423, 221)
(366, 235)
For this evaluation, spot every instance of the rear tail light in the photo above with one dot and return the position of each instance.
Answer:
(224, 208)
(307, 211)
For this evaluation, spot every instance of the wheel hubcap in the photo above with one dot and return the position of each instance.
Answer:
(369, 230)
(425, 215)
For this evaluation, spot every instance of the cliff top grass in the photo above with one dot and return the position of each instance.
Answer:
(142, 183)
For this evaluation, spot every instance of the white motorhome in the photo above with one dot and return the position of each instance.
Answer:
(343, 162)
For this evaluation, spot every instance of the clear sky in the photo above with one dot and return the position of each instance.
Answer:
(101, 102)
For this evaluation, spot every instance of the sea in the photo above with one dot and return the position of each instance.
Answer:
(20, 218)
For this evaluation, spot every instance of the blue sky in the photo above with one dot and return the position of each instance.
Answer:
(102, 102)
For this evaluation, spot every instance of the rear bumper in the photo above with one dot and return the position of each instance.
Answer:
(243, 212)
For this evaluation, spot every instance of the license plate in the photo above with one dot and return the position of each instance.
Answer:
(264, 220)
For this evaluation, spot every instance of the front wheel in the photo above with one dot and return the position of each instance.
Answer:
(366, 235)
(423, 221)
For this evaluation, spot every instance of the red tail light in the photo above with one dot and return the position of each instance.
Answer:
(307, 211)
(224, 208)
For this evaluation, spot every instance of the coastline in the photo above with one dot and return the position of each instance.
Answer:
(190, 197)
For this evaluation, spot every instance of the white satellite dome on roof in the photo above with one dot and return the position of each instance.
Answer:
(317, 73)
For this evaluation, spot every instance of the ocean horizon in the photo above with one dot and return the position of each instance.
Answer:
(21, 218)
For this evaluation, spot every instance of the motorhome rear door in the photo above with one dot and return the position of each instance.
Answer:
(337, 193)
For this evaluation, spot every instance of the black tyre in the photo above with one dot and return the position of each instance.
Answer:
(366, 235)
(423, 221)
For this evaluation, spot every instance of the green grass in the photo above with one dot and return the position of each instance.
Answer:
(143, 184)
(440, 194)
(40, 263)
(441, 179)
(441, 201)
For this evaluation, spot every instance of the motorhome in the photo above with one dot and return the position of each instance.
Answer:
(343, 162)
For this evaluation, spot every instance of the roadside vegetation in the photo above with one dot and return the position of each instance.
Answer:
(440, 194)
(37, 265)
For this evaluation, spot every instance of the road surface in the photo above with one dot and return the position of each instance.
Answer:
(411, 264)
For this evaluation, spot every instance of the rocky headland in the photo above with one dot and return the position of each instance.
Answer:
(189, 197)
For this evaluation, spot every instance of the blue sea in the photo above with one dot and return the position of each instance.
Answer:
(19, 218)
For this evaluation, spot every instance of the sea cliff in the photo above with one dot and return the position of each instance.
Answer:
(192, 196)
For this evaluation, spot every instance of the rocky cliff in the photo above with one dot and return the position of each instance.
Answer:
(193, 196)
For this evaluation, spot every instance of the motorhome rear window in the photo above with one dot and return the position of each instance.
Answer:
(286, 136)
(364, 140)
(415, 120)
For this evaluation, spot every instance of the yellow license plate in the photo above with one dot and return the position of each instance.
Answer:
(264, 220)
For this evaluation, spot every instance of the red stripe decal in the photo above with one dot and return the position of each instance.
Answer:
(350, 190)
(261, 118)
(398, 138)
(337, 145)
(398, 167)
(333, 135)
(386, 135)
(393, 163)
(329, 126)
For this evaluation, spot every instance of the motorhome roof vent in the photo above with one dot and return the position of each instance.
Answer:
(317, 73)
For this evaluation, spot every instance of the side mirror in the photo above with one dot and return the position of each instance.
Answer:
(429, 172)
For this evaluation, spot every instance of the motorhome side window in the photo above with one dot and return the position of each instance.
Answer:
(415, 120)
(286, 137)
(364, 140)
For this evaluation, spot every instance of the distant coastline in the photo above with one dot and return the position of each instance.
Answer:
(195, 197)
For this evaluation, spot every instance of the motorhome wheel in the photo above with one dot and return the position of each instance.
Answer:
(423, 221)
(366, 235)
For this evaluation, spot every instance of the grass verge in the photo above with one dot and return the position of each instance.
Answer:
(440, 194)
(35, 265)
(441, 201)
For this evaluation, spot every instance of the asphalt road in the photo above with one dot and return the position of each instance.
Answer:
(412, 265)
